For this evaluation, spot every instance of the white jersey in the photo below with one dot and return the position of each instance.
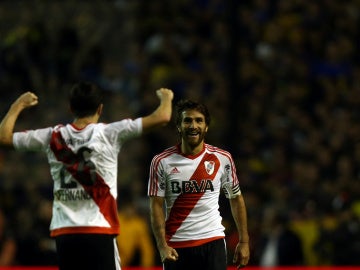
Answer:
(191, 186)
(83, 164)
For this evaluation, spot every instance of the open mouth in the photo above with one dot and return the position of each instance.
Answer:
(193, 134)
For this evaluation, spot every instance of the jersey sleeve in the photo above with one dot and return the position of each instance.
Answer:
(157, 178)
(230, 182)
(123, 130)
(32, 140)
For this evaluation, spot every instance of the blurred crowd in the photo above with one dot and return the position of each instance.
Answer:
(281, 79)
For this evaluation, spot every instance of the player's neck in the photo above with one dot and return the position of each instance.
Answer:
(84, 121)
(189, 150)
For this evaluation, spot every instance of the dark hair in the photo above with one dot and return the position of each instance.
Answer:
(186, 104)
(84, 99)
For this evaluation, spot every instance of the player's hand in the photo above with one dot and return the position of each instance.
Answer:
(168, 254)
(241, 255)
(27, 99)
(165, 93)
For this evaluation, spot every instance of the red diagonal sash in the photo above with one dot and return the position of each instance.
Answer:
(186, 202)
(91, 181)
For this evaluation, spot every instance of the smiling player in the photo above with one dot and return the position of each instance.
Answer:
(187, 179)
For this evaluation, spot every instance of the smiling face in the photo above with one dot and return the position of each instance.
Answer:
(192, 130)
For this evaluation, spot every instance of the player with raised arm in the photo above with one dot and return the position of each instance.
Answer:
(83, 159)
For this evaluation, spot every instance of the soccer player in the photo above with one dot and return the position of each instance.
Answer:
(186, 179)
(83, 157)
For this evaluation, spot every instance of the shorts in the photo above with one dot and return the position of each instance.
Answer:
(87, 252)
(209, 256)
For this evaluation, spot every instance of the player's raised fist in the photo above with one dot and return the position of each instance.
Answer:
(165, 93)
(27, 99)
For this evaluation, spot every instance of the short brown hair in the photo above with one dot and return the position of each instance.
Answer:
(186, 104)
(84, 99)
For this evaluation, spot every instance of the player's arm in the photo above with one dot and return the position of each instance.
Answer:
(7, 124)
(238, 210)
(157, 217)
(162, 114)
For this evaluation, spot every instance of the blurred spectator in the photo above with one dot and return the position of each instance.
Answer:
(280, 246)
(135, 241)
(340, 244)
(7, 243)
(35, 246)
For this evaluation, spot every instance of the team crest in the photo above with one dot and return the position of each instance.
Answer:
(209, 167)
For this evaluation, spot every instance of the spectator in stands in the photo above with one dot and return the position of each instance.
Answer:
(280, 246)
(7, 243)
(135, 241)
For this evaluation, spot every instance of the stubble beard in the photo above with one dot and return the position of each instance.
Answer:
(194, 143)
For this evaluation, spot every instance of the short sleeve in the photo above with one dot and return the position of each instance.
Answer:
(123, 130)
(32, 140)
(157, 179)
(230, 182)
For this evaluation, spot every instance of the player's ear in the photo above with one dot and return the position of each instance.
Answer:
(100, 109)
